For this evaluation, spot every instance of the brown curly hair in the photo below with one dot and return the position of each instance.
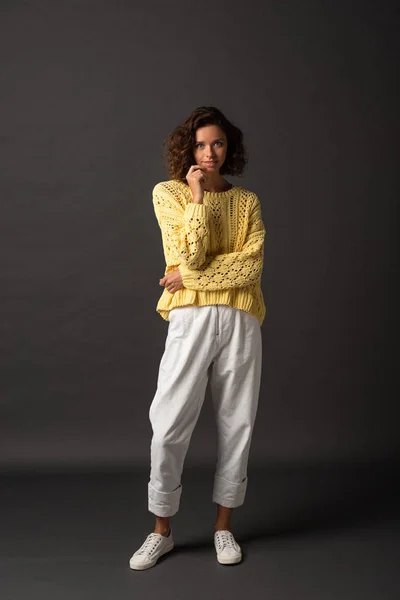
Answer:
(178, 146)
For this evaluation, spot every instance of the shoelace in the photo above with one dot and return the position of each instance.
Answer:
(150, 544)
(225, 539)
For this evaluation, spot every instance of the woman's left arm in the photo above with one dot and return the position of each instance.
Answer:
(233, 269)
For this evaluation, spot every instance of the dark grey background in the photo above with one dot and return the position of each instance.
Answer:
(89, 91)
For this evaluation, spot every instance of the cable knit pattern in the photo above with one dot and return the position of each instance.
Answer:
(218, 247)
(184, 225)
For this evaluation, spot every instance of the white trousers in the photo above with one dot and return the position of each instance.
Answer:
(199, 337)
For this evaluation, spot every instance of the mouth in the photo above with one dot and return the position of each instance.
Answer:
(214, 162)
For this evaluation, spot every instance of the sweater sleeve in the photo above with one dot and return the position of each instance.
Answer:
(233, 269)
(185, 229)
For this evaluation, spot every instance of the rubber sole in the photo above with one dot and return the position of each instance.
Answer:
(142, 567)
(229, 561)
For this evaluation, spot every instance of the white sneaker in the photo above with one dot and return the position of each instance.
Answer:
(228, 550)
(154, 546)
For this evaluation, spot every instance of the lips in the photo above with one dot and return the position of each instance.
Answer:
(210, 163)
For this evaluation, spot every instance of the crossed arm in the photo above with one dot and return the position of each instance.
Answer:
(189, 238)
(232, 269)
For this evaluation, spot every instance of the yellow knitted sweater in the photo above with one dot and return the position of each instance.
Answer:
(218, 247)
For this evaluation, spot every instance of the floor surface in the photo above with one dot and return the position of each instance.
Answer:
(312, 532)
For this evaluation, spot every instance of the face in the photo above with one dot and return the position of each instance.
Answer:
(210, 148)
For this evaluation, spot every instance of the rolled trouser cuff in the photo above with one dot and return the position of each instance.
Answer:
(227, 493)
(164, 504)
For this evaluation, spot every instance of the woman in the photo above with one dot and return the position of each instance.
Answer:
(213, 240)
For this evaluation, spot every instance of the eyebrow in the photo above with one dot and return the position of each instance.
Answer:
(217, 140)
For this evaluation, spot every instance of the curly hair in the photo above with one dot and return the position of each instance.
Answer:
(178, 146)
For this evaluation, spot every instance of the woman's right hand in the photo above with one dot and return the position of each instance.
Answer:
(196, 177)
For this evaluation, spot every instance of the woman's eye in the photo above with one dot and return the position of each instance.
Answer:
(200, 144)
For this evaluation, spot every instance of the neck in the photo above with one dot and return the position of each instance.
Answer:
(216, 184)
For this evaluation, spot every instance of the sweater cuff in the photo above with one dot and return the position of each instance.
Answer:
(188, 275)
(197, 211)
